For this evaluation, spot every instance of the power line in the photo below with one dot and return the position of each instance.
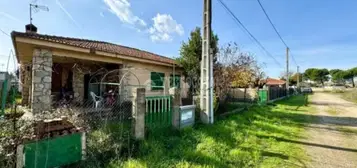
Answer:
(292, 56)
(272, 24)
(261, 6)
(250, 34)
(4, 32)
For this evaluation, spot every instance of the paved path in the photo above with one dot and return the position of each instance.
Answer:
(332, 141)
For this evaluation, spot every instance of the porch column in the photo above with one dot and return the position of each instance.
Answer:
(26, 81)
(41, 80)
(78, 86)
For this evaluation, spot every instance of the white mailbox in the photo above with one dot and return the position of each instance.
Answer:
(187, 115)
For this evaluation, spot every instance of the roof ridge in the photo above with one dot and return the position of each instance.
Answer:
(63, 37)
(51, 37)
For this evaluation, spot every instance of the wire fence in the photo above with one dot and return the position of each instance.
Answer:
(106, 123)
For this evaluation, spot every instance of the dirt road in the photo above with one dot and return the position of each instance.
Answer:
(332, 134)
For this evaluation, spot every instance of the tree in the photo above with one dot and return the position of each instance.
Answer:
(337, 75)
(234, 69)
(317, 75)
(350, 75)
(190, 58)
(294, 78)
(283, 75)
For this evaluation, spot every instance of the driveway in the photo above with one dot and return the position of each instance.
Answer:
(332, 135)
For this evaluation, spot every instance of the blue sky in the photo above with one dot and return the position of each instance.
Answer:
(319, 33)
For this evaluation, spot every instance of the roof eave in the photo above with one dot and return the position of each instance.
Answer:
(15, 46)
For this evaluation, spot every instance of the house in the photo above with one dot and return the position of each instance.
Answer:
(51, 64)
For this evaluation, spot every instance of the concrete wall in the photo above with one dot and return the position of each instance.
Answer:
(238, 93)
(141, 75)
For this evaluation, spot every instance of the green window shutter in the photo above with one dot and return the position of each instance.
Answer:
(176, 79)
(157, 80)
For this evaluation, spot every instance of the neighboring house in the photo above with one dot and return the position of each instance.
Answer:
(3, 76)
(274, 82)
(11, 80)
(51, 63)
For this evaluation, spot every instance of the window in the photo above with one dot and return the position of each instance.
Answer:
(157, 81)
(175, 81)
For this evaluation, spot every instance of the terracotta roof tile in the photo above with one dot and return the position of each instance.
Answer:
(97, 45)
(271, 81)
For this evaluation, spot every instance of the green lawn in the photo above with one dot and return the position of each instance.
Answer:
(266, 136)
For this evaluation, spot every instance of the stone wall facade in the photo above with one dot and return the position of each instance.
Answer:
(41, 80)
(78, 86)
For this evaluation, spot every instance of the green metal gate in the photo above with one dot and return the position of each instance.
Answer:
(158, 111)
(53, 152)
(263, 96)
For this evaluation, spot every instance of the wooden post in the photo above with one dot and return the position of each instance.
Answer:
(287, 71)
(139, 113)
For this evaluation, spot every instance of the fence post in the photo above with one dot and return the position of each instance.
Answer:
(176, 102)
(268, 93)
(139, 112)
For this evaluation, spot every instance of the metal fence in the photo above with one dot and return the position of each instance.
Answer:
(158, 111)
(276, 93)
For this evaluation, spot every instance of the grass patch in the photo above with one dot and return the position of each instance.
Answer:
(234, 106)
(350, 95)
(333, 110)
(263, 136)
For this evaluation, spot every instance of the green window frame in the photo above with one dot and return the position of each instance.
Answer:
(157, 80)
(177, 80)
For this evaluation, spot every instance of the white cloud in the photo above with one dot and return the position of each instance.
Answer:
(122, 9)
(164, 28)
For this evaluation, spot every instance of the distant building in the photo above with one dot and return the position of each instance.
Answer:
(3, 76)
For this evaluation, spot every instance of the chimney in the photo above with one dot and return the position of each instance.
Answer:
(30, 28)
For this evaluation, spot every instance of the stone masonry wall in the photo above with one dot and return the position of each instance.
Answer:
(78, 86)
(41, 80)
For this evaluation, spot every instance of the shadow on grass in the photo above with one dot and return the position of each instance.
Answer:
(328, 103)
(225, 143)
(350, 131)
(309, 143)
(246, 139)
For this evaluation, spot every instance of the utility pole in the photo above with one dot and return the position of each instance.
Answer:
(287, 71)
(298, 77)
(206, 90)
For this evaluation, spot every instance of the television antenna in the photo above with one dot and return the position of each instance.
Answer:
(37, 8)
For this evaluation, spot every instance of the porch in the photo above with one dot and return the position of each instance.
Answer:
(51, 81)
